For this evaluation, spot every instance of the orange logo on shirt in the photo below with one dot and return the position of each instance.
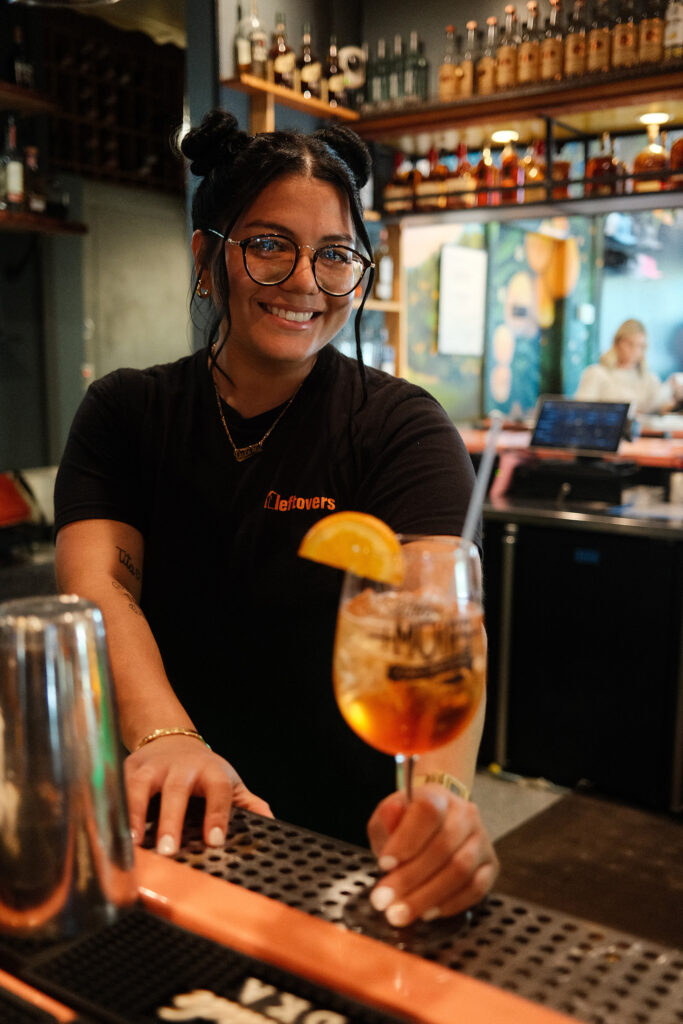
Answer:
(279, 504)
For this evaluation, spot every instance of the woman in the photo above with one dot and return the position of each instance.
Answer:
(185, 490)
(621, 375)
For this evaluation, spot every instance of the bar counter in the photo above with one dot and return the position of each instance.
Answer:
(662, 452)
(276, 894)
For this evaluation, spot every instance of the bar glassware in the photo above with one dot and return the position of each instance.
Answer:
(410, 659)
(66, 857)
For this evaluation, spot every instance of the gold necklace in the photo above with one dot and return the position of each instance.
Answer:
(241, 454)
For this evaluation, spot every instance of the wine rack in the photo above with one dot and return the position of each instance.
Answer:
(119, 100)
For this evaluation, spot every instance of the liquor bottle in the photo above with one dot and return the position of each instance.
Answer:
(20, 70)
(529, 52)
(468, 61)
(673, 31)
(652, 164)
(430, 190)
(281, 58)
(575, 43)
(486, 65)
(309, 69)
(506, 53)
(487, 177)
(535, 170)
(415, 73)
(259, 44)
(396, 72)
(400, 190)
(34, 186)
(13, 169)
(552, 48)
(651, 34)
(378, 77)
(448, 81)
(251, 43)
(676, 164)
(601, 170)
(461, 183)
(384, 268)
(242, 44)
(511, 175)
(625, 37)
(334, 76)
(599, 39)
(458, 64)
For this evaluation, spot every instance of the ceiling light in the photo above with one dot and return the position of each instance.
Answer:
(658, 117)
(505, 137)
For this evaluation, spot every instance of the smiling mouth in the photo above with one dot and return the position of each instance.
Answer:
(299, 317)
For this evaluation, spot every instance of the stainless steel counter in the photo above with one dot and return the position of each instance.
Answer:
(594, 973)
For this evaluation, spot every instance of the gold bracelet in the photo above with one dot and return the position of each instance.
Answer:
(450, 782)
(177, 731)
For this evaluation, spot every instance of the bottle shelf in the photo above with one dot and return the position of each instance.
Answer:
(594, 103)
(38, 224)
(264, 95)
(583, 206)
(24, 101)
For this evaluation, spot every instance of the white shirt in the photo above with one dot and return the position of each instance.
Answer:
(621, 384)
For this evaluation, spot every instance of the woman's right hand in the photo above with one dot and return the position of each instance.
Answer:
(179, 767)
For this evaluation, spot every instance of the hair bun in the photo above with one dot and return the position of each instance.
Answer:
(350, 148)
(215, 142)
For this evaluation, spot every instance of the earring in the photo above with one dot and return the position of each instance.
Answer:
(201, 291)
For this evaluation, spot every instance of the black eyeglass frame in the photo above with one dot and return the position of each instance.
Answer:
(244, 242)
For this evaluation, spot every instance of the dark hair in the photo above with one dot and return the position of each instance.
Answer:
(236, 167)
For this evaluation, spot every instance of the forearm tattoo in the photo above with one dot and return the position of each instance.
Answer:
(132, 603)
(126, 560)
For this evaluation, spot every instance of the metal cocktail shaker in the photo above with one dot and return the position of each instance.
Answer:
(66, 857)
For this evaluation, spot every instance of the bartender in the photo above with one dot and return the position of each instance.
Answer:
(621, 374)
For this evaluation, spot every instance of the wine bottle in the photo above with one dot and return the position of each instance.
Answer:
(447, 82)
(599, 39)
(575, 43)
(552, 48)
(486, 65)
(529, 52)
(506, 53)
(281, 58)
(309, 69)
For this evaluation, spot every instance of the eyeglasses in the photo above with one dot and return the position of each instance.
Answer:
(271, 259)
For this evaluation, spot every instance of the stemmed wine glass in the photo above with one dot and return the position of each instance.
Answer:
(410, 657)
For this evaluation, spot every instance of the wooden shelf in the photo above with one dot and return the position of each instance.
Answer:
(606, 102)
(33, 223)
(24, 101)
(584, 206)
(264, 95)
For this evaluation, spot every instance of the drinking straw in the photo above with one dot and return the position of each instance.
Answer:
(481, 483)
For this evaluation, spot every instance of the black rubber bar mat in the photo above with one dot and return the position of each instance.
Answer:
(15, 1010)
(142, 969)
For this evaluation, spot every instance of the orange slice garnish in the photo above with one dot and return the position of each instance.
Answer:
(357, 542)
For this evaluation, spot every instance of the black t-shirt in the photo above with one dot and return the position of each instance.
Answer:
(246, 627)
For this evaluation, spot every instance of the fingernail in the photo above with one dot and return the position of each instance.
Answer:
(387, 862)
(216, 836)
(166, 845)
(134, 836)
(431, 914)
(382, 896)
(398, 914)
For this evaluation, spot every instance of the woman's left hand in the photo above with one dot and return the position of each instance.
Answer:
(438, 857)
